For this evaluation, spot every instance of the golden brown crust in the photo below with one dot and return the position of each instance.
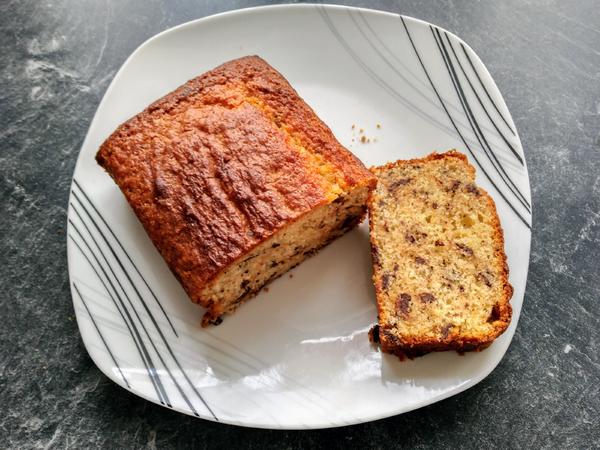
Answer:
(431, 157)
(220, 164)
(412, 347)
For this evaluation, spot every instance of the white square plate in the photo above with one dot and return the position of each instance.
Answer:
(297, 356)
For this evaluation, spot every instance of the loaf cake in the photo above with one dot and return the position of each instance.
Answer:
(439, 267)
(236, 180)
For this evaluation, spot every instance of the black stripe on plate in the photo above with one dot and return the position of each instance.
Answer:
(160, 357)
(379, 81)
(500, 133)
(133, 332)
(487, 150)
(101, 336)
(382, 44)
(230, 368)
(456, 128)
(214, 348)
(485, 89)
(122, 249)
(115, 256)
(152, 319)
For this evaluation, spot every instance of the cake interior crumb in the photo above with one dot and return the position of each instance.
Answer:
(438, 275)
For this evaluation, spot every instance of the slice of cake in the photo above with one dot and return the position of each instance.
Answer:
(440, 271)
(235, 180)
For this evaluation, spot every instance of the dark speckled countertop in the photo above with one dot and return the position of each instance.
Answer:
(56, 60)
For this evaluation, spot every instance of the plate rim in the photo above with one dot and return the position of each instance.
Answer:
(349, 422)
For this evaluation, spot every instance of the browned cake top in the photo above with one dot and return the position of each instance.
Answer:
(224, 161)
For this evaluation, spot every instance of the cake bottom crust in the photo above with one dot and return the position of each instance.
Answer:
(392, 345)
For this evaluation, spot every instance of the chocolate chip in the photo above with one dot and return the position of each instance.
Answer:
(439, 243)
(403, 304)
(395, 268)
(465, 249)
(420, 260)
(217, 321)
(399, 183)
(454, 186)
(445, 331)
(484, 279)
(349, 222)
(274, 264)
(374, 334)
(414, 236)
(427, 297)
(244, 284)
(389, 337)
(434, 205)
(275, 245)
(494, 314)
(385, 281)
(375, 254)
(471, 188)
(249, 258)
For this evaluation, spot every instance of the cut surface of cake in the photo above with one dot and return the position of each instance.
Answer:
(236, 180)
(439, 267)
